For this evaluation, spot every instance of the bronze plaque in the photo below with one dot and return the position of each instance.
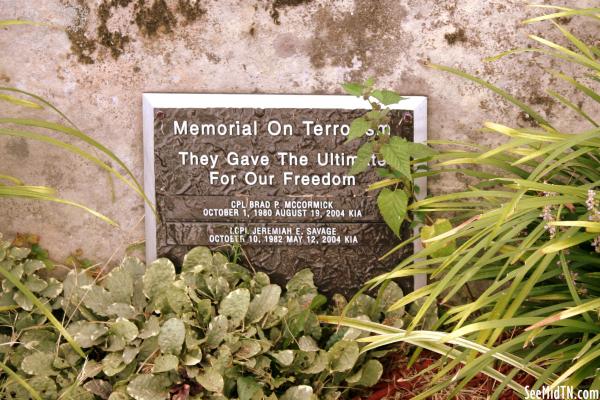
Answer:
(269, 175)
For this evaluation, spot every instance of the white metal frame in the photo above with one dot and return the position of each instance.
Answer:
(152, 101)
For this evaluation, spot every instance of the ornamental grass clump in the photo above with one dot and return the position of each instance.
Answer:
(215, 330)
(526, 232)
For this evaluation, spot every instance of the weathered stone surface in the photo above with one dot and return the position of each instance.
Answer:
(236, 47)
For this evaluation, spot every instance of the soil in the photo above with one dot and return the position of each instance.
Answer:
(401, 382)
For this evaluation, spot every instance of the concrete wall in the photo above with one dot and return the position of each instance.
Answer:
(112, 53)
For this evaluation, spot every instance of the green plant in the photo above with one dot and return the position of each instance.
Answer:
(529, 231)
(402, 158)
(214, 330)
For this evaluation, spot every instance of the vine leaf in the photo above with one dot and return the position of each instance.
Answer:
(358, 128)
(363, 156)
(386, 97)
(392, 206)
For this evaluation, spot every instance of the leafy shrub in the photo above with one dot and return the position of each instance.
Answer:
(214, 330)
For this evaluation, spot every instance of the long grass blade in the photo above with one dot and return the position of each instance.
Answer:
(533, 114)
(43, 309)
(32, 392)
(593, 12)
(47, 194)
(87, 139)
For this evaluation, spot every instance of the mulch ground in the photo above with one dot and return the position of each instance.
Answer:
(401, 382)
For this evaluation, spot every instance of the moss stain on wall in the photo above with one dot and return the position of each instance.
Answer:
(457, 36)
(279, 4)
(350, 39)
(152, 18)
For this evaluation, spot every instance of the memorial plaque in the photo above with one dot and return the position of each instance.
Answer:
(270, 174)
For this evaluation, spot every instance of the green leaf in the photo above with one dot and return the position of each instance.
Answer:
(368, 375)
(319, 364)
(263, 303)
(563, 244)
(211, 380)
(247, 388)
(358, 128)
(55, 287)
(563, 14)
(389, 294)
(439, 227)
(125, 329)
(42, 308)
(119, 396)
(392, 206)
(80, 152)
(308, 344)
(164, 363)
(32, 266)
(35, 284)
(354, 89)
(149, 387)
(192, 357)
(171, 336)
(420, 150)
(19, 102)
(47, 388)
(363, 157)
(9, 22)
(46, 194)
(198, 256)
(99, 387)
(97, 299)
(119, 282)
(302, 282)
(386, 97)
(248, 349)
(217, 329)
(397, 155)
(87, 334)
(343, 355)
(151, 328)
(302, 392)
(235, 305)
(22, 382)
(39, 364)
(23, 301)
(284, 357)
(74, 132)
(178, 300)
(122, 310)
(158, 277)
